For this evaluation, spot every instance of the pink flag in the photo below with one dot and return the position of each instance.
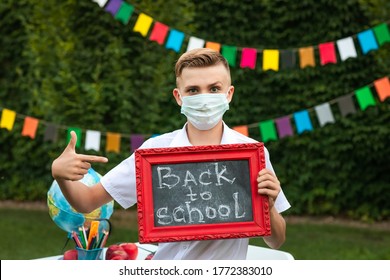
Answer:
(248, 58)
(327, 53)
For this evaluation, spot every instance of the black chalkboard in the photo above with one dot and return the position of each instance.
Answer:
(201, 193)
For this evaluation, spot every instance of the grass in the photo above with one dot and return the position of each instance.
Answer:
(29, 234)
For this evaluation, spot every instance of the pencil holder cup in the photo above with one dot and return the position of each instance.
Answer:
(93, 254)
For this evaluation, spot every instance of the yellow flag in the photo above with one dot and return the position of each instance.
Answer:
(7, 119)
(143, 24)
(271, 60)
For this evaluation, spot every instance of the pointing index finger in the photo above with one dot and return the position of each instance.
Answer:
(90, 158)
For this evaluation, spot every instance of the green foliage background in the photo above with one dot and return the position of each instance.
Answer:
(71, 63)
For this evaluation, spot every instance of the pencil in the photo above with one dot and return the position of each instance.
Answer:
(76, 239)
(104, 239)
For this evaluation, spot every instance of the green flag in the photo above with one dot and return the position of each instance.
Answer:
(268, 130)
(382, 33)
(364, 97)
(230, 53)
(124, 13)
(78, 133)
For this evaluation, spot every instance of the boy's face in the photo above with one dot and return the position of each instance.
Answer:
(212, 79)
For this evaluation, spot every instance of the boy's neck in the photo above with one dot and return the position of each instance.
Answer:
(204, 137)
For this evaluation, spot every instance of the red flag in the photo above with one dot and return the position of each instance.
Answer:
(159, 33)
(327, 53)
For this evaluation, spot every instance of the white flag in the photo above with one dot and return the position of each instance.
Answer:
(92, 140)
(346, 48)
(324, 114)
(195, 43)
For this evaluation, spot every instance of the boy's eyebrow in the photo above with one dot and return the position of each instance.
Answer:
(197, 87)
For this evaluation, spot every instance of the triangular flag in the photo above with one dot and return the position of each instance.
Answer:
(92, 140)
(175, 40)
(78, 133)
(382, 33)
(268, 130)
(214, 46)
(101, 3)
(367, 41)
(195, 43)
(365, 97)
(136, 140)
(113, 6)
(143, 24)
(30, 127)
(7, 119)
(346, 48)
(288, 59)
(382, 87)
(51, 133)
(243, 129)
(113, 142)
(324, 114)
(248, 58)
(302, 121)
(159, 33)
(271, 60)
(327, 53)
(124, 13)
(230, 53)
(284, 127)
(306, 57)
(346, 105)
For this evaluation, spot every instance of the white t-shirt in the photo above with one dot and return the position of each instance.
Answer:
(120, 183)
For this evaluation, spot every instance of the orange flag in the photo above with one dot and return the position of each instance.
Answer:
(243, 129)
(113, 143)
(30, 127)
(382, 87)
(213, 46)
(306, 56)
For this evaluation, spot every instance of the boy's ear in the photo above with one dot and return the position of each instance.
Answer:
(176, 95)
(230, 93)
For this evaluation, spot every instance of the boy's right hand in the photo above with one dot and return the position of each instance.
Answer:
(72, 166)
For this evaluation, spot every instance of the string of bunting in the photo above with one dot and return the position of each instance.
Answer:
(269, 129)
(248, 57)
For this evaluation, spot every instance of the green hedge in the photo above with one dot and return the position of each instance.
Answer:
(71, 63)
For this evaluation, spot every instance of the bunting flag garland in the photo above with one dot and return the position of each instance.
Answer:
(30, 127)
(368, 40)
(270, 130)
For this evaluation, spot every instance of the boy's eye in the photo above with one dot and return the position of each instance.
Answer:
(192, 90)
(214, 89)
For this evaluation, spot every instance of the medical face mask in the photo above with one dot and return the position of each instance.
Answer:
(204, 110)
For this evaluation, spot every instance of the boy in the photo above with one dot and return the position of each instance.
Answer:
(204, 92)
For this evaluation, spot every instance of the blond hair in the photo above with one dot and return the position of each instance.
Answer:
(197, 58)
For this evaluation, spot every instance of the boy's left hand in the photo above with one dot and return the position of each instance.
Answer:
(268, 184)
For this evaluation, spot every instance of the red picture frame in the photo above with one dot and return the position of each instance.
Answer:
(154, 228)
